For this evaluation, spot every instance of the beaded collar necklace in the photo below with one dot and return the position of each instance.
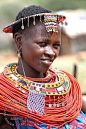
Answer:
(55, 99)
(55, 82)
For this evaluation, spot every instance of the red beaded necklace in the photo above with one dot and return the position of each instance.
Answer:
(60, 91)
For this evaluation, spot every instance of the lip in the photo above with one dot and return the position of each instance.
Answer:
(47, 61)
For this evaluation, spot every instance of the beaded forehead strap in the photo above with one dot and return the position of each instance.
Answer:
(50, 21)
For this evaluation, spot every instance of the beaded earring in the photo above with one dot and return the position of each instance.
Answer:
(19, 54)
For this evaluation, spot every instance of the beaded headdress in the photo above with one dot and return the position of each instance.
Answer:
(50, 21)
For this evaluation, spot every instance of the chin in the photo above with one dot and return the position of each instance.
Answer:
(44, 70)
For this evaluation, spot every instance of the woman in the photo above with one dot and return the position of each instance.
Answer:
(36, 94)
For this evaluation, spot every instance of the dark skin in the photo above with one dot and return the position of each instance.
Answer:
(37, 46)
(42, 49)
(3, 123)
(39, 49)
(43, 46)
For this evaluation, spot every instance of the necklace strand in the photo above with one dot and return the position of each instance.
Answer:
(53, 116)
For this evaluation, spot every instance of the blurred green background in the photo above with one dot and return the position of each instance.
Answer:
(10, 8)
(8, 11)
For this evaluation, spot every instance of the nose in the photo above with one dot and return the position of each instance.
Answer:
(49, 51)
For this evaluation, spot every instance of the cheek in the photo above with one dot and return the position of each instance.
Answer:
(27, 52)
(57, 52)
(39, 51)
(34, 52)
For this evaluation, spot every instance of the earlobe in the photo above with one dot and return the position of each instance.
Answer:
(18, 40)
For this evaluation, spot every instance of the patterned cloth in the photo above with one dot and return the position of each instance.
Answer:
(78, 123)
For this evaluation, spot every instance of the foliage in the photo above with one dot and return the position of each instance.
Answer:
(68, 66)
(10, 8)
(56, 5)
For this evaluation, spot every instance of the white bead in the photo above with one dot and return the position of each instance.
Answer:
(22, 27)
(20, 89)
(58, 105)
(37, 88)
(16, 85)
(67, 126)
(54, 105)
(63, 104)
(23, 91)
(50, 105)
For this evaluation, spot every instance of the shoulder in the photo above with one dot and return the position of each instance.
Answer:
(7, 70)
(64, 73)
(56, 70)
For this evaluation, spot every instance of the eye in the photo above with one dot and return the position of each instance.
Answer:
(56, 45)
(42, 44)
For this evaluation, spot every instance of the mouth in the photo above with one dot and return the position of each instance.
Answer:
(47, 62)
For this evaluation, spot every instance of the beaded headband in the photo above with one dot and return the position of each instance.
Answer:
(50, 21)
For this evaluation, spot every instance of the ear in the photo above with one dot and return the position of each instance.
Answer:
(18, 40)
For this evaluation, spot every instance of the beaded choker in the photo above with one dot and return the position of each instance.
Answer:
(53, 100)
(55, 83)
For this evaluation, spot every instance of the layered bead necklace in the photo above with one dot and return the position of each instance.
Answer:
(53, 100)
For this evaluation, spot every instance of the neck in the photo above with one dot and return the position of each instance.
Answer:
(28, 71)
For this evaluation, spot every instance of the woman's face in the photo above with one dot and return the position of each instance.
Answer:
(39, 47)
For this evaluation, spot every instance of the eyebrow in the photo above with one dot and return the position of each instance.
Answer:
(47, 40)
(58, 41)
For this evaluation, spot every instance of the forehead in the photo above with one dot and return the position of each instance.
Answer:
(39, 30)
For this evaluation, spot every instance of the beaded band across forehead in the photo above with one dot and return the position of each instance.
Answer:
(50, 21)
